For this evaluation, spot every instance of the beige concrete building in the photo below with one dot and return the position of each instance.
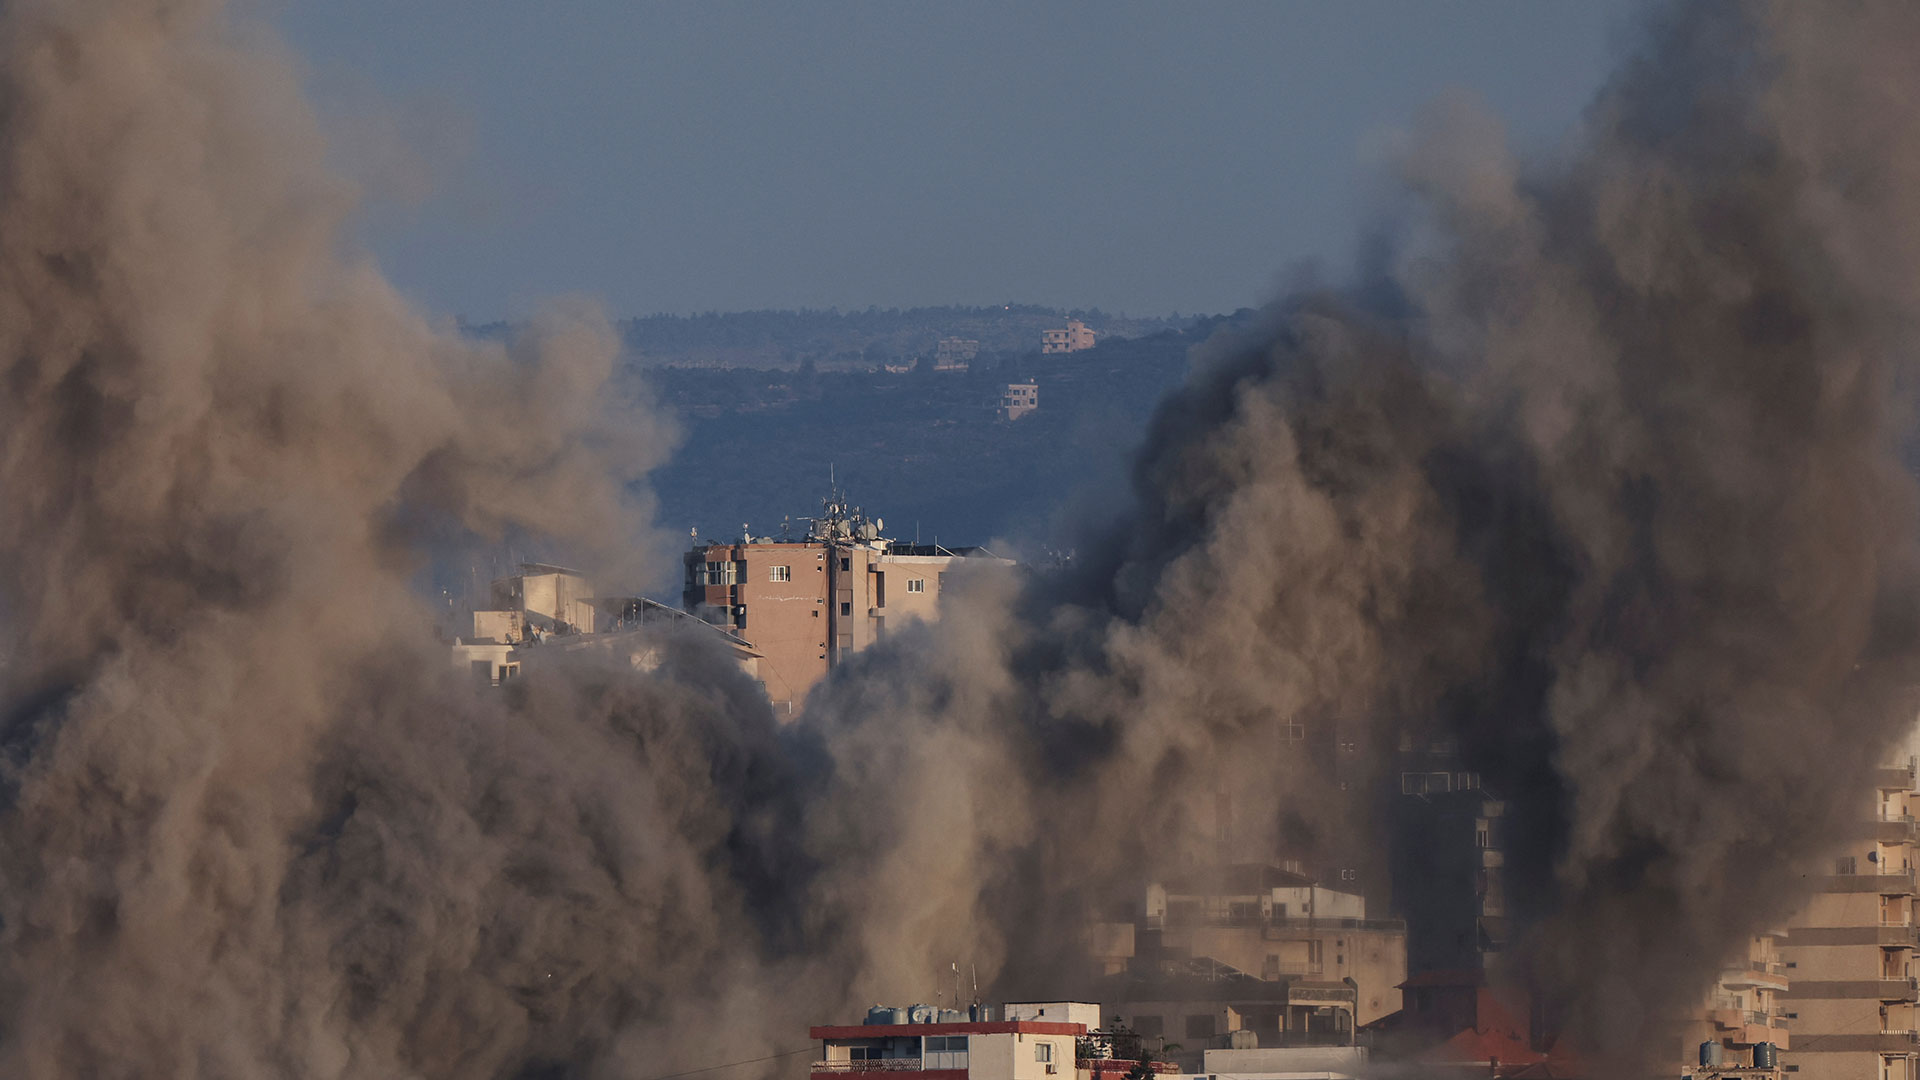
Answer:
(1850, 951)
(548, 610)
(1071, 338)
(807, 605)
(552, 599)
(1741, 1025)
(1020, 399)
(1201, 1004)
(1274, 925)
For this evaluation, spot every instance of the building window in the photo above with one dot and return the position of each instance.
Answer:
(779, 573)
(917, 585)
(946, 1052)
(1845, 865)
(1043, 1051)
(846, 563)
(846, 608)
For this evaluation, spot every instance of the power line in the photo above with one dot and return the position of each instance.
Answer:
(732, 1064)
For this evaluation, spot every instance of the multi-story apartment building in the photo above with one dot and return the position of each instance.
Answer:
(1449, 862)
(1070, 338)
(1849, 953)
(1741, 1025)
(808, 604)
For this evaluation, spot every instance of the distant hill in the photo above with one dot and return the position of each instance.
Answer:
(924, 450)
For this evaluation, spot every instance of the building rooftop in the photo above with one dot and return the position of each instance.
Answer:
(963, 1027)
(1236, 880)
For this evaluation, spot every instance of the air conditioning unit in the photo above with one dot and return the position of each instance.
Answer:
(1052, 1068)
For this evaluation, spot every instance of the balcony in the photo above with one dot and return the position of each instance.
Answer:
(1768, 976)
(1892, 883)
(1896, 829)
(869, 1065)
(1894, 777)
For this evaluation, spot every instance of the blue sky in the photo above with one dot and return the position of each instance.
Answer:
(1144, 158)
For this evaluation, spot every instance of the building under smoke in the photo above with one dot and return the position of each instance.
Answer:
(1595, 467)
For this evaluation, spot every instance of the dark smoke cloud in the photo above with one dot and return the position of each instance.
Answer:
(1597, 467)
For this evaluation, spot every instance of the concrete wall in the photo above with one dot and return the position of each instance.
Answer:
(1055, 1012)
(500, 627)
(902, 603)
(1376, 960)
(787, 621)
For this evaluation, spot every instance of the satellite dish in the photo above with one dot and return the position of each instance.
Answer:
(879, 523)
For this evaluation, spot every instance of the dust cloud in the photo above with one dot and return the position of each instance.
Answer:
(1597, 468)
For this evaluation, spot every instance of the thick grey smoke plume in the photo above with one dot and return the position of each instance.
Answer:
(1597, 467)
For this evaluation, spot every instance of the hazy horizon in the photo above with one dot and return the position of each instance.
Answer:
(677, 160)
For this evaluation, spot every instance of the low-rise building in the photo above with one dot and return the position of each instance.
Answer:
(1199, 1004)
(1019, 399)
(551, 599)
(1276, 924)
(1070, 338)
(1034, 1041)
(564, 617)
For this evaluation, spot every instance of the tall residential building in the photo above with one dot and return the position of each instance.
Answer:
(1850, 951)
(1449, 861)
(1070, 338)
(808, 604)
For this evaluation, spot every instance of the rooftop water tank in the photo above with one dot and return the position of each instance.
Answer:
(883, 1014)
(952, 1016)
(1711, 1055)
(1763, 1055)
(980, 1014)
(921, 1014)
